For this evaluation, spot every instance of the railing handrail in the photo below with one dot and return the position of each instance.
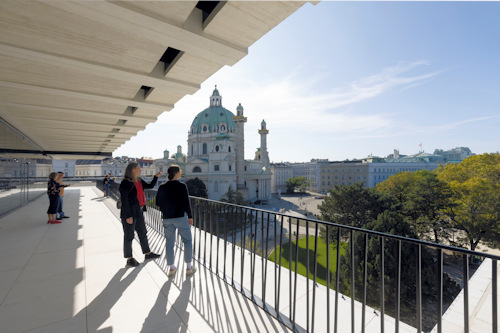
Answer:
(368, 231)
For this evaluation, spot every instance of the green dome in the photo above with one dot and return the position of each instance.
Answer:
(214, 119)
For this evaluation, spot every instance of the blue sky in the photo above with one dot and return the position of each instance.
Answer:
(343, 80)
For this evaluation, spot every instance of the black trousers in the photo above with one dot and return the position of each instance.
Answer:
(128, 235)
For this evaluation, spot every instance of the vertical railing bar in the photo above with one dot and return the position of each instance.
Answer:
(234, 213)
(217, 231)
(419, 288)
(264, 258)
(253, 241)
(196, 220)
(382, 284)
(307, 275)
(205, 233)
(255, 247)
(295, 278)
(226, 223)
(440, 290)
(290, 267)
(279, 267)
(243, 247)
(466, 292)
(315, 274)
(211, 220)
(337, 271)
(398, 284)
(353, 290)
(365, 266)
(494, 298)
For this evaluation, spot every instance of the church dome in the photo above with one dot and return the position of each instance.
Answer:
(214, 119)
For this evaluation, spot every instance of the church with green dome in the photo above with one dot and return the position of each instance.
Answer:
(216, 153)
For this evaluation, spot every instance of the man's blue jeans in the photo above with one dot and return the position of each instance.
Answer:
(60, 212)
(181, 224)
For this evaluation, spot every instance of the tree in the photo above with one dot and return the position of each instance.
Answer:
(475, 186)
(197, 188)
(421, 198)
(234, 197)
(351, 205)
(297, 183)
(392, 223)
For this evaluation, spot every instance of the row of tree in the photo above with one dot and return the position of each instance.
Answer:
(421, 205)
(463, 196)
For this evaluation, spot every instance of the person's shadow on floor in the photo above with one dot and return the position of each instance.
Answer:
(99, 309)
(176, 318)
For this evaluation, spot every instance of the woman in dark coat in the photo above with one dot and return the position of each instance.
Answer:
(132, 212)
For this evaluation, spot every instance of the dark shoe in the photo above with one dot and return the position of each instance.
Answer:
(132, 262)
(59, 218)
(152, 255)
(65, 217)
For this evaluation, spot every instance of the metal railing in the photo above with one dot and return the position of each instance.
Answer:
(229, 240)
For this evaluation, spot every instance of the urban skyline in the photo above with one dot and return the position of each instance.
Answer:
(345, 80)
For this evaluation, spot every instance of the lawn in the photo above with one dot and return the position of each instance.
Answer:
(301, 265)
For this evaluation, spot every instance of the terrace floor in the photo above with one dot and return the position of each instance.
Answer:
(71, 277)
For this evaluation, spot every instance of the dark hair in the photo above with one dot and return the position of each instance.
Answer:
(128, 171)
(172, 170)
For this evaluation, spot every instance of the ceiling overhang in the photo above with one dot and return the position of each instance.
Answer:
(80, 78)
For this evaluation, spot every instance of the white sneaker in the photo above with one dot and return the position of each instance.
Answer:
(172, 272)
(191, 271)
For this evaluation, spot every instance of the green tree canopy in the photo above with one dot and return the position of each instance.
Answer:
(475, 208)
(234, 197)
(197, 188)
(352, 205)
(421, 197)
(297, 184)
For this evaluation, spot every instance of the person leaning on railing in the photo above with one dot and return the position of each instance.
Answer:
(132, 211)
(173, 200)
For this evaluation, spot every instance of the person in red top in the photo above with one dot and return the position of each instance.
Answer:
(132, 211)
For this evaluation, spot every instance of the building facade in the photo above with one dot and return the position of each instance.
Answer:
(281, 172)
(178, 158)
(216, 153)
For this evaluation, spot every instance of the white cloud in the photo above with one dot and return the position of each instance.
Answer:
(289, 105)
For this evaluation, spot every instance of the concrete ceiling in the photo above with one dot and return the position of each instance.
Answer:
(78, 79)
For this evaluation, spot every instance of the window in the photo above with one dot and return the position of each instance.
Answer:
(217, 148)
(192, 150)
(205, 128)
(229, 149)
(245, 168)
(216, 167)
(204, 148)
(230, 167)
(196, 169)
